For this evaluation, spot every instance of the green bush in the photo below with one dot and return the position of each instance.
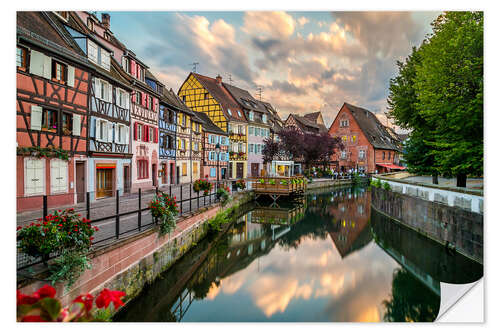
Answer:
(69, 266)
(387, 187)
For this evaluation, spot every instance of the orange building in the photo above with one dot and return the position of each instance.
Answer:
(368, 146)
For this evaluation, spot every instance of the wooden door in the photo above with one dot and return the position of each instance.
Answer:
(104, 183)
(126, 179)
(172, 172)
(154, 174)
(80, 181)
(255, 169)
(239, 170)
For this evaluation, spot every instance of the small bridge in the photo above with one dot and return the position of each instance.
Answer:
(276, 187)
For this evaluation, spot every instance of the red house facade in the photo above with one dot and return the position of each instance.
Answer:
(368, 146)
(51, 113)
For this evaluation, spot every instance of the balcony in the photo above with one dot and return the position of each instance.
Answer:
(237, 137)
(234, 156)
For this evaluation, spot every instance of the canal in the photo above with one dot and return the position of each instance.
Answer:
(326, 257)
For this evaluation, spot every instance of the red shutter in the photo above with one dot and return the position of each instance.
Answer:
(145, 133)
(138, 72)
(133, 96)
(144, 97)
(135, 131)
(156, 135)
(147, 101)
(132, 68)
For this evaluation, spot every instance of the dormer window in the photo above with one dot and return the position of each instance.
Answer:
(250, 115)
(264, 118)
(239, 113)
(229, 111)
(107, 36)
(90, 24)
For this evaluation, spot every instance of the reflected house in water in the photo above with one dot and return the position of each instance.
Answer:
(351, 218)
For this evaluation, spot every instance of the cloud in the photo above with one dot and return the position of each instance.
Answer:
(269, 24)
(302, 21)
(286, 87)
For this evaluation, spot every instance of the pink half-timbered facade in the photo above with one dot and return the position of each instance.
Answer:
(51, 107)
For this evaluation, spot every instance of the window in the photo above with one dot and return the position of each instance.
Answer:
(34, 176)
(195, 169)
(67, 123)
(58, 176)
(183, 144)
(142, 169)
(150, 102)
(21, 58)
(63, 15)
(139, 132)
(90, 24)
(389, 158)
(250, 130)
(151, 134)
(229, 111)
(184, 169)
(103, 90)
(250, 148)
(344, 123)
(361, 155)
(250, 115)
(241, 129)
(223, 140)
(183, 117)
(239, 113)
(126, 64)
(264, 118)
(213, 172)
(257, 131)
(343, 154)
(383, 155)
(58, 71)
(49, 120)
(196, 146)
(205, 95)
(122, 98)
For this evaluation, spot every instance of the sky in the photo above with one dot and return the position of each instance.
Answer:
(303, 61)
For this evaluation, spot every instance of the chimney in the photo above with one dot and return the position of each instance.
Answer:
(219, 79)
(105, 20)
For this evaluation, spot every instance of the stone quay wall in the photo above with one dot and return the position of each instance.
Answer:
(128, 265)
(453, 226)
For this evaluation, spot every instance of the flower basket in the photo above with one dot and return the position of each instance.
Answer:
(240, 184)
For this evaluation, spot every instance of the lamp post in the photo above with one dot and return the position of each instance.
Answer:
(217, 151)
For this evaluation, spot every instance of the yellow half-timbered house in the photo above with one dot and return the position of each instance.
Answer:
(208, 95)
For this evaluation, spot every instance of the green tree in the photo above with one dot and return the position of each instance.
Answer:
(403, 109)
(438, 93)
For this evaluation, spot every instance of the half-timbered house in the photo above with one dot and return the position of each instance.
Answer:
(214, 166)
(196, 147)
(208, 95)
(183, 151)
(258, 118)
(167, 127)
(52, 81)
(109, 152)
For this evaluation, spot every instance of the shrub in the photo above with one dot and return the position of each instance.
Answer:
(42, 306)
(387, 187)
(223, 194)
(284, 182)
(272, 181)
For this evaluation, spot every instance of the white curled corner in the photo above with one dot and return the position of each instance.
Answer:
(451, 295)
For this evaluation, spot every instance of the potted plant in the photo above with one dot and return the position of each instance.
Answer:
(164, 208)
(240, 184)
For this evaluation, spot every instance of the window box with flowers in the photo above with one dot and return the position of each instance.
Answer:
(202, 185)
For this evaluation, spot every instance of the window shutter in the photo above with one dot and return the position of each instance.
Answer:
(35, 178)
(144, 99)
(127, 129)
(71, 76)
(134, 94)
(135, 131)
(36, 62)
(127, 101)
(36, 118)
(92, 51)
(110, 93)
(47, 67)
(98, 89)
(77, 119)
(156, 135)
(111, 128)
(145, 133)
(133, 68)
(98, 124)
(117, 136)
(104, 125)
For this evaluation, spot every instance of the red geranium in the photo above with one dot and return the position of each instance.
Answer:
(86, 300)
(106, 296)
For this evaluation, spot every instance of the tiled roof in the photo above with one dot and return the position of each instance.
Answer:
(46, 26)
(313, 116)
(307, 125)
(208, 125)
(222, 95)
(375, 132)
(244, 98)
(170, 98)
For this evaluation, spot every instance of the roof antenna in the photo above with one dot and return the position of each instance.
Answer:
(259, 92)
(194, 64)
(230, 79)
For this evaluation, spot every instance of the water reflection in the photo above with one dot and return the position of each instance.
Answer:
(313, 260)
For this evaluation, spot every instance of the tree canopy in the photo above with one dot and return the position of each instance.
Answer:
(438, 94)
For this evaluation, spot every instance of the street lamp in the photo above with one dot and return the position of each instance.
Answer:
(217, 151)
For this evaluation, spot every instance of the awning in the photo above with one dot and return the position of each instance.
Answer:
(391, 166)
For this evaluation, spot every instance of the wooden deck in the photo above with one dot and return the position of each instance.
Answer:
(276, 187)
